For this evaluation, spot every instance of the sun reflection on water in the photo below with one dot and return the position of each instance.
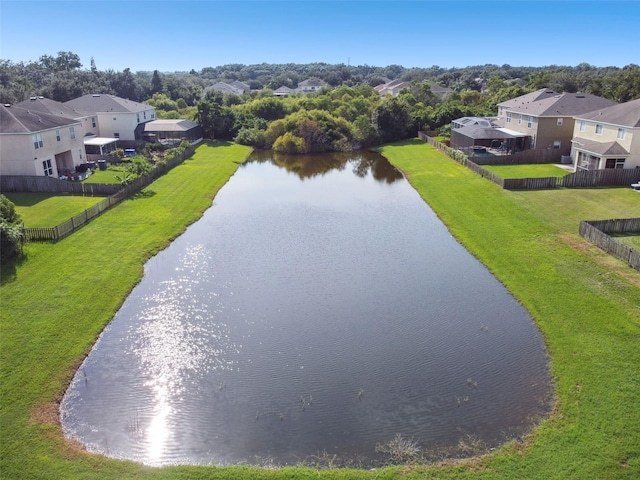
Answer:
(178, 338)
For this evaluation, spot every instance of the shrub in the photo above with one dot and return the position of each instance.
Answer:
(289, 143)
(11, 231)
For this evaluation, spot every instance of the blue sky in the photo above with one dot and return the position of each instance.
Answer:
(184, 35)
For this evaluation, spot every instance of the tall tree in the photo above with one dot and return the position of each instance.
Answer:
(156, 82)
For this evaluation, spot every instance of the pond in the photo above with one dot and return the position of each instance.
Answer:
(318, 309)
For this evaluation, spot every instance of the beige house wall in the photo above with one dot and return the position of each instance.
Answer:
(630, 142)
(18, 155)
(550, 132)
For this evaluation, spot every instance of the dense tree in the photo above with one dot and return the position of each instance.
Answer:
(392, 119)
(156, 82)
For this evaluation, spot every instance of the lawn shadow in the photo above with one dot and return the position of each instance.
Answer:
(9, 270)
(143, 194)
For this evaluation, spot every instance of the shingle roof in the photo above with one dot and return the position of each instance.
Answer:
(97, 103)
(21, 120)
(240, 85)
(224, 88)
(547, 103)
(312, 82)
(600, 148)
(283, 89)
(50, 107)
(624, 114)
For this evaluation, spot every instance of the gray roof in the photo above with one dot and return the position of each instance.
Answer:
(240, 85)
(21, 120)
(224, 88)
(600, 148)
(624, 114)
(100, 103)
(312, 82)
(478, 132)
(283, 90)
(48, 106)
(169, 125)
(547, 103)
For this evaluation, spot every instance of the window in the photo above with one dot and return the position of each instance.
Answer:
(72, 133)
(37, 141)
(583, 125)
(80, 152)
(93, 122)
(530, 122)
(508, 117)
(621, 133)
(557, 144)
(58, 135)
(559, 122)
(615, 163)
(519, 119)
(48, 171)
(145, 115)
(598, 129)
(153, 115)
(116, 134)
(138, 117)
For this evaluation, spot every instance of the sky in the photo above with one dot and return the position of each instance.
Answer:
(183, 35)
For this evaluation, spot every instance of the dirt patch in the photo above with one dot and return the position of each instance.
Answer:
(602, 258)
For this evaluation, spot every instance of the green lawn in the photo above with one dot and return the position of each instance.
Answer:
(527, 171)
(586, 308)
(41, 210)
(106, 176)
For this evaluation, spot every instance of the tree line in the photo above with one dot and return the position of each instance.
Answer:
(346, 115)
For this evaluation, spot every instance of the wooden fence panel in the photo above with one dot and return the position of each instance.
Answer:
(597, 233)
(526, 157)
(601, 178)
(40, 234)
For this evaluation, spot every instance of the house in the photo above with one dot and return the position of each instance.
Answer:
(115, 117)
(310, 85)
(607, 138)
(34, 143)
(283, 91)
(547, 117)
(479, 133)
(439, 91)
(391, 88)
(167, 131)
(225, 88)
(241, 87)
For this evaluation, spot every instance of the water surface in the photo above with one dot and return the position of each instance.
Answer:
(318, 309)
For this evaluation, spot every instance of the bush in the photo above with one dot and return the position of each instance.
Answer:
(289, 143)
(253, 137)
(11, 231)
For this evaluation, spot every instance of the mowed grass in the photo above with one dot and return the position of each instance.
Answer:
(52, 312)
(108, 175)
(527, 171)
(39, 210)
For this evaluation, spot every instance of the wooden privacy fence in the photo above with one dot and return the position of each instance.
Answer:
(583, 178)
(15, 183)
(58, 232)
(597, 232)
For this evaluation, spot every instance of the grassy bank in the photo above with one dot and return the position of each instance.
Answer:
(59, 298)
